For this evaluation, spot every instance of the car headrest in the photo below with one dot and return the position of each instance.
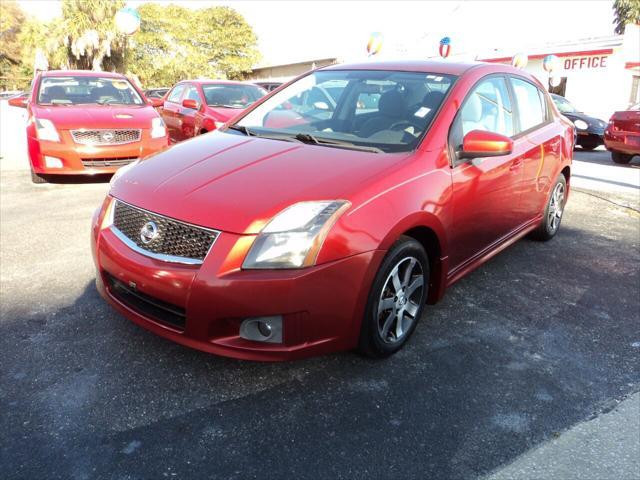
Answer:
(433, 99)
(392, 104)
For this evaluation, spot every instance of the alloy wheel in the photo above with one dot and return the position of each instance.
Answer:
(556, 207)
(400, 300)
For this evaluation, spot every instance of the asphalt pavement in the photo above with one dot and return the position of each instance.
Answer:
(528, 368)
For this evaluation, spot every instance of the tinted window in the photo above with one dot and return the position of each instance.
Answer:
(176, 93)
(231, 95)
(531, 104)
(488, 108)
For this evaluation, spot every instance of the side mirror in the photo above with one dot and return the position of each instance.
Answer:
(20, 101)
(156, 102)
(190, 103)
(478, 143)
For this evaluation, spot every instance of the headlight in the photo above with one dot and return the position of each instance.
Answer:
(581, 124)
(292, 239)
(122, 170)
(158, 128)
(46, 130)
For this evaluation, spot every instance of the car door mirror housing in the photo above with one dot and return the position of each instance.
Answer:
(190, 103)
(20, 101)
(479, 143)
(156, 102)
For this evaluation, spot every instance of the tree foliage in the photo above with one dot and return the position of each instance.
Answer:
(175, 43)
(11, 21)
(626, 11)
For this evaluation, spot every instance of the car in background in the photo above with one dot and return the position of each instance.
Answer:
(589, 130)
(156, 92)
(622, 136)
(194, 107)
(85, 122)
(6, 95)
(268, 86)
(284, 234)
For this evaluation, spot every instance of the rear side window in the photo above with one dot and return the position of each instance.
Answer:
(175, 94)
(531, 104)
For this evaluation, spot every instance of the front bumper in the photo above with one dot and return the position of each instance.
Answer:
(80, 159)
(321, 307)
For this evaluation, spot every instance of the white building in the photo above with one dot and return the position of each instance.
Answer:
(598, 75)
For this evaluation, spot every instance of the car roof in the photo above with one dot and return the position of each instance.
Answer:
(81, 73)
(427, 66)
(209, 82)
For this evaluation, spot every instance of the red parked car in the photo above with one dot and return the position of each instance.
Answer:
(86, 122)
(288, 234)
(193, 107)
(622, 135)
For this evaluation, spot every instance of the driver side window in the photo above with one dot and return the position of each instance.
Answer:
(488, 107)
(175, 94)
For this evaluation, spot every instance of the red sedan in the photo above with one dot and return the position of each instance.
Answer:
(622, 135)
(193, 107)
(85, 122)
(303, 228)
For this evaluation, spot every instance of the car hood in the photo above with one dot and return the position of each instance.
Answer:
(97, 116)
(591, 121)
(222, 114)
(236, 184)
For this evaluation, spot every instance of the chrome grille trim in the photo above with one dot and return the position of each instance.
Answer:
(97, 136)
(155, 255)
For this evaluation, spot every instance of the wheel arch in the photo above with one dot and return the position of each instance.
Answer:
(426, 229)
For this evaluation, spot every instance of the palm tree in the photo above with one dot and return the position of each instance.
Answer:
(626, 11)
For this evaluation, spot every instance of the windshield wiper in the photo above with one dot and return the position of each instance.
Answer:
(313, 140)
(242, 129)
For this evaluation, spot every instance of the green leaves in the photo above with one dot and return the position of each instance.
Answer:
(175, 43)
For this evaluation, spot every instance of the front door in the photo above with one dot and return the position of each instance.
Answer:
(170, 112)
(486, 191)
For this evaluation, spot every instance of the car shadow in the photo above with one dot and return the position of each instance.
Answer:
(603, 157)
(78, 179)
(521, 349)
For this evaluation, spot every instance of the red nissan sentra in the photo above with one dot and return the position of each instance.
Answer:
(622, 136)
(85, 122)
(194, 107)
(306, 227)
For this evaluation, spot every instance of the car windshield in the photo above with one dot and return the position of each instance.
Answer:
(563, 105)
(231, 96)
(79, 90)
(364, 109)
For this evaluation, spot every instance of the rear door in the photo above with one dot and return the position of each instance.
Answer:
(486, 191)
(542, 143)
(170, 112)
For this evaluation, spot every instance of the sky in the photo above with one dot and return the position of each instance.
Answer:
(291, 31)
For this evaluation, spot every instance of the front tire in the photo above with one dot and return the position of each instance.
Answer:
(396, 299)
(621, 158)
(553, 211)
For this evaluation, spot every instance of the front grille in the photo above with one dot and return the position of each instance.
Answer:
(106, 136)
(146, 305)
(167, 239)
(107, 162)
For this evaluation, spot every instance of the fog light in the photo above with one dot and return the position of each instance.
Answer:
(262, 329)
(52, 162)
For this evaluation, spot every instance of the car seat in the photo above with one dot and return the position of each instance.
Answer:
(392, 108)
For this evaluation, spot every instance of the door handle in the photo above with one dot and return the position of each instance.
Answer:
(516, 164)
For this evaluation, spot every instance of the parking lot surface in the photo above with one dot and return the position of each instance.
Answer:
(539, 341)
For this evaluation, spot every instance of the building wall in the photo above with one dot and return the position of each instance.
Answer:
(284, 73)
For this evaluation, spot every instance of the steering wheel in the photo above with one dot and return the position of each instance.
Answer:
(403, 124)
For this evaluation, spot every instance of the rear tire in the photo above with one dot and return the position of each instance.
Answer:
(396, 299)
(553, 211)
(35, 178)
(621, 158)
